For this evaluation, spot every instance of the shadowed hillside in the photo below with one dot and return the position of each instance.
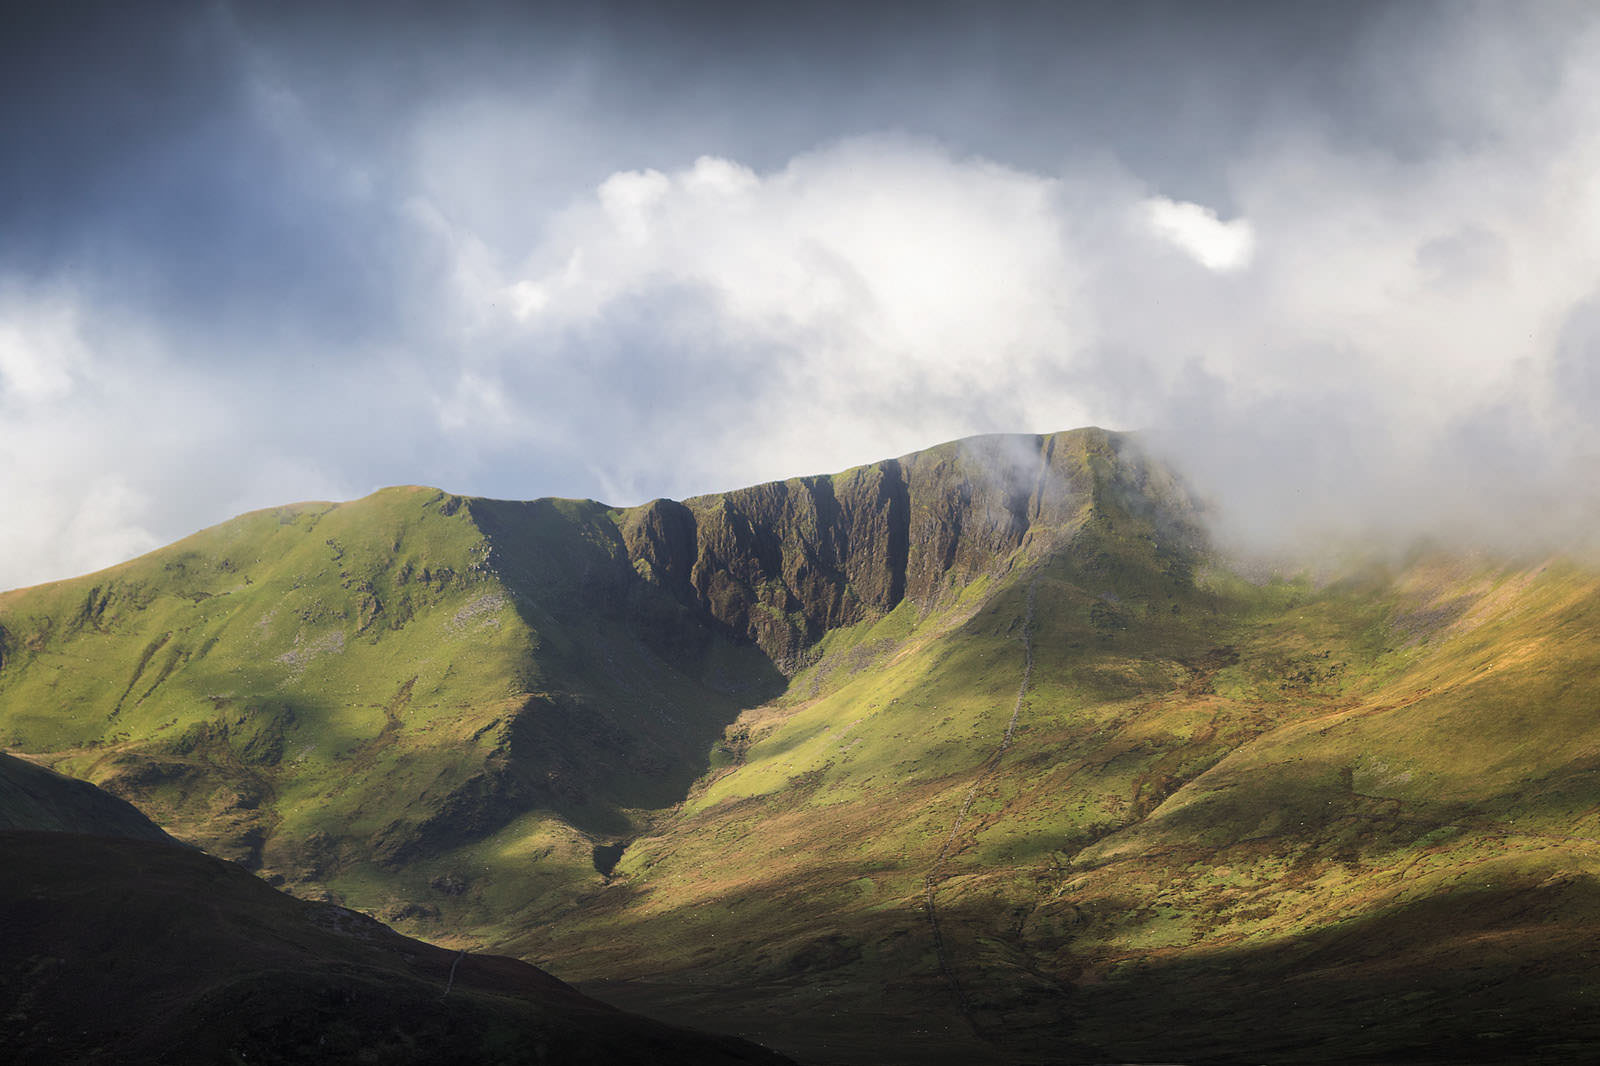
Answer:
(122, 946)
(125, 951)
(33, 798)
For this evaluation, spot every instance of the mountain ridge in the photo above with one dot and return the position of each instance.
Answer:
(563, 640)
(739, 762)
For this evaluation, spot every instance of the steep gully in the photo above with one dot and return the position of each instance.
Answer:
(934, 877)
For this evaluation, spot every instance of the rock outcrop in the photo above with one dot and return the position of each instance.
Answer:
(780, 564)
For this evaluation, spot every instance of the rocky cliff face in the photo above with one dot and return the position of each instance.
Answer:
(780, 564)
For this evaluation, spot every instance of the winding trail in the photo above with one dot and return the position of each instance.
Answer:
(452, 982)
(932, 879)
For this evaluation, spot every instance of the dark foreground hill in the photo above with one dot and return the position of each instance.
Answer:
(32, 797)
(121, 951)
(974, 755)
(119, 945)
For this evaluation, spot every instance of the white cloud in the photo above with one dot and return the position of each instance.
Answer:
(629, 199)
(67, 509)
(881, 294)
(1194, 228)
(40, 349)
(870, 296)
(52, 530)
(527, 298)
(128, 444)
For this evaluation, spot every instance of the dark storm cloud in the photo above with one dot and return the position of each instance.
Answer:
(1171, 87)
(194, 156)
(144, 165)
(90, 97)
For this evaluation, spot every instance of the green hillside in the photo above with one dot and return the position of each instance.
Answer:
(1284, 823)
(979, 754)
(340, 696)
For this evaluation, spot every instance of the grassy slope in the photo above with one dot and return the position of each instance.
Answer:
(245, 649)
(1219, 833)
(354, 697)
(123, 946)
(1421, 844)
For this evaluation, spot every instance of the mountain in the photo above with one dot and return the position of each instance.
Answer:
(417, 690)
(327, 693)
(980, 754)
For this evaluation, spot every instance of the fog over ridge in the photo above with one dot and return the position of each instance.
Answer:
(1338, 266)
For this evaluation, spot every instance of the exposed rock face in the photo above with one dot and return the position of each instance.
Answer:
(782, 563)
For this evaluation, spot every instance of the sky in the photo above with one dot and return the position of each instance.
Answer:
(1339, 262)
